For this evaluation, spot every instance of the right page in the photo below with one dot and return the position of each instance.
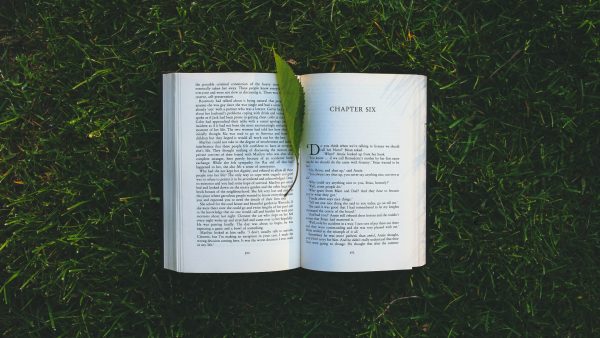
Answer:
(363, 172)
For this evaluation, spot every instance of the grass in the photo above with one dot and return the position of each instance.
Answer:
(513, 139)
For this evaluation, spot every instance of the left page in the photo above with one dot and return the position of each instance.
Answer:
(232, 166)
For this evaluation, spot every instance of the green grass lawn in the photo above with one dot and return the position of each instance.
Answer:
(513, 167)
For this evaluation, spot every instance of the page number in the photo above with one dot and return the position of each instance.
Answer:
(352, 252)
(246, 252)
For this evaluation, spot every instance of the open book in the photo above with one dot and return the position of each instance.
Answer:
(358, 205)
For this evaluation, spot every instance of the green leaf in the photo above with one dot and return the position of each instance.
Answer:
(292, 102)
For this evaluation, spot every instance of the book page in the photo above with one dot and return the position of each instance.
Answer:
(363, 172)
(235, 166)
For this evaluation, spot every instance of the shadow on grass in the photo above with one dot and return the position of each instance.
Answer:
(297, 300)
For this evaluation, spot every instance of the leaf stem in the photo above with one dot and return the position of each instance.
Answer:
(295, 178)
